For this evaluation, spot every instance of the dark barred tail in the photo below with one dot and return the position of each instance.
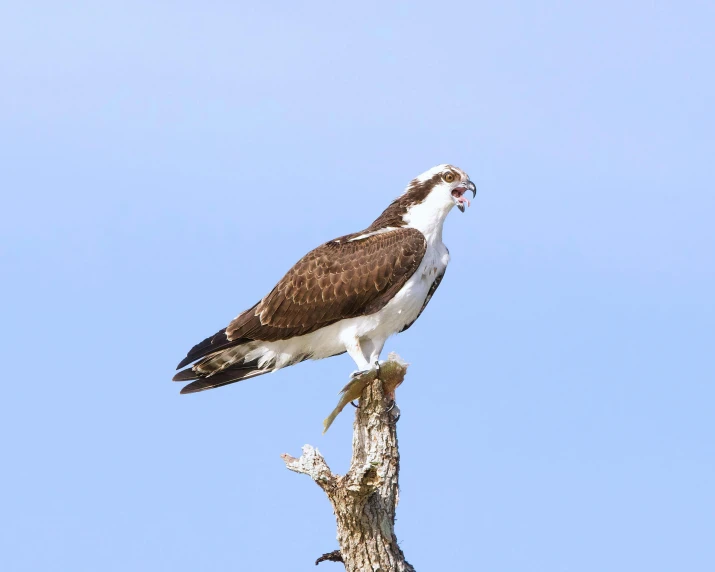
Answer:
(229, 375)
(210, 345)
(213, 371)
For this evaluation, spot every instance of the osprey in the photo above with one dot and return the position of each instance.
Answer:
(348, 295)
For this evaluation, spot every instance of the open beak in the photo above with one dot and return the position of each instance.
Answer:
(458, 193)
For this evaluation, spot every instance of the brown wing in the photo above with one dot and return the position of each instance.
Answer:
(341, 279)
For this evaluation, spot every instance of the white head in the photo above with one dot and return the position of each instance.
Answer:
(444, 186)
(427, 200)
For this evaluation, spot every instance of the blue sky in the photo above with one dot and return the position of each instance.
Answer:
(164, 163)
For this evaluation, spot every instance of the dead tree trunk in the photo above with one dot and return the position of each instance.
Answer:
(364, 499)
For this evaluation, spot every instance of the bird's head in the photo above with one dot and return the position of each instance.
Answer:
(428, 199)
(443, 186)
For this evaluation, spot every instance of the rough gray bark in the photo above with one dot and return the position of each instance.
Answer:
(365, 498)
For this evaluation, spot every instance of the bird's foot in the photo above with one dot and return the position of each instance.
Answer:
(373, 367)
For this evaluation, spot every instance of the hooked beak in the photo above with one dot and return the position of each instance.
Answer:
(458, 194)
(469, 186)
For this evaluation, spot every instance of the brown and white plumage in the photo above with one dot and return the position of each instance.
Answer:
(349, 294)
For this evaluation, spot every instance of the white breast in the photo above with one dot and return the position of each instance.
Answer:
(404, 308)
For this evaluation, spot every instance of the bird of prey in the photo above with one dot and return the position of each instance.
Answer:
(348, 295)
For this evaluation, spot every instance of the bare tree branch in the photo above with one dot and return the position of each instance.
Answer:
(311, 463)
(365, 498)
(333, 556)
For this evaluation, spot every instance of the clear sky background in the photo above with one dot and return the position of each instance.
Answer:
(162, 164)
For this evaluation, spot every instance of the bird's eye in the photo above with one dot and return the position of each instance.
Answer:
(448, 177)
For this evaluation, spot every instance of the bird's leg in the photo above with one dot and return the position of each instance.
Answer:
(374, 347)
(355, 351)
(358, 349)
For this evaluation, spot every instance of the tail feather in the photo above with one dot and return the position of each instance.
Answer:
(230, 375)
(185, 375)
(219, 341)
(220, 361)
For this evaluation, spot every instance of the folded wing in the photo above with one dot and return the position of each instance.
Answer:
(347, 277)
(344, 278)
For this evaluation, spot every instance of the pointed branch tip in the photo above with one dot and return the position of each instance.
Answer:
(310, 463)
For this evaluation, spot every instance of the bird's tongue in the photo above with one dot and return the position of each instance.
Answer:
(461, 200)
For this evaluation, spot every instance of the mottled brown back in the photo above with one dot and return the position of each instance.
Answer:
(338, 280)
